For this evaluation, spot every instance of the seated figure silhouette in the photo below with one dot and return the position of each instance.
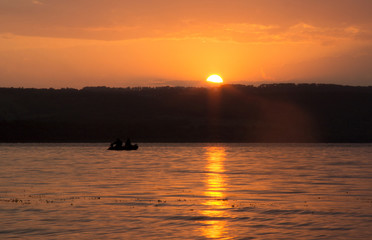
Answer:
(117, 144)
(128, 143)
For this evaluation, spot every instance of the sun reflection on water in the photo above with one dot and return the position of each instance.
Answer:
(216, 203)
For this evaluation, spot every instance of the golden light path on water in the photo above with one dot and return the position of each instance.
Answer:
(215, 203)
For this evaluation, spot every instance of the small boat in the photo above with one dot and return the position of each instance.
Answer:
(126, 148)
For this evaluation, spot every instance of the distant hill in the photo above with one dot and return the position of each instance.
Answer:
(231, 113)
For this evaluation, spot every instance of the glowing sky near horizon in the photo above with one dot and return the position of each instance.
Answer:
(55, 43)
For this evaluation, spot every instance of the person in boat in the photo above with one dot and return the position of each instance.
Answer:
(117, 144)
(128, 143)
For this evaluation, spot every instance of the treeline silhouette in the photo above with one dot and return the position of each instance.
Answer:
(230, 113)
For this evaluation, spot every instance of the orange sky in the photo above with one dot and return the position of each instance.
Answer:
(117, 43)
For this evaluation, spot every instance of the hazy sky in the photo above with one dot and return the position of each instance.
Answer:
(77, 43)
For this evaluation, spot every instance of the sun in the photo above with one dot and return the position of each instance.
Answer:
(215, 79)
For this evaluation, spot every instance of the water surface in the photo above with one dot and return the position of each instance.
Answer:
(186, 191)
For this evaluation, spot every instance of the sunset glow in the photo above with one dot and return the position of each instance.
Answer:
(177, 43)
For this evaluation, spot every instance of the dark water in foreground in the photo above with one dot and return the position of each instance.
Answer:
(186, 191)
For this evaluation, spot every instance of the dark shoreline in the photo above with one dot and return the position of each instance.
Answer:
(179, 142)
(270, 113)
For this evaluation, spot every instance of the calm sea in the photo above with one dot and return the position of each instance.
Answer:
(186, 191)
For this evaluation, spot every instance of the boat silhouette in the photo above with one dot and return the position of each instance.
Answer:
(118, 145)
(126, 148)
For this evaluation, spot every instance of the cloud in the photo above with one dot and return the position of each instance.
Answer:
(351, 67)
(299, 32)
(37, 2)
(245, 21)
